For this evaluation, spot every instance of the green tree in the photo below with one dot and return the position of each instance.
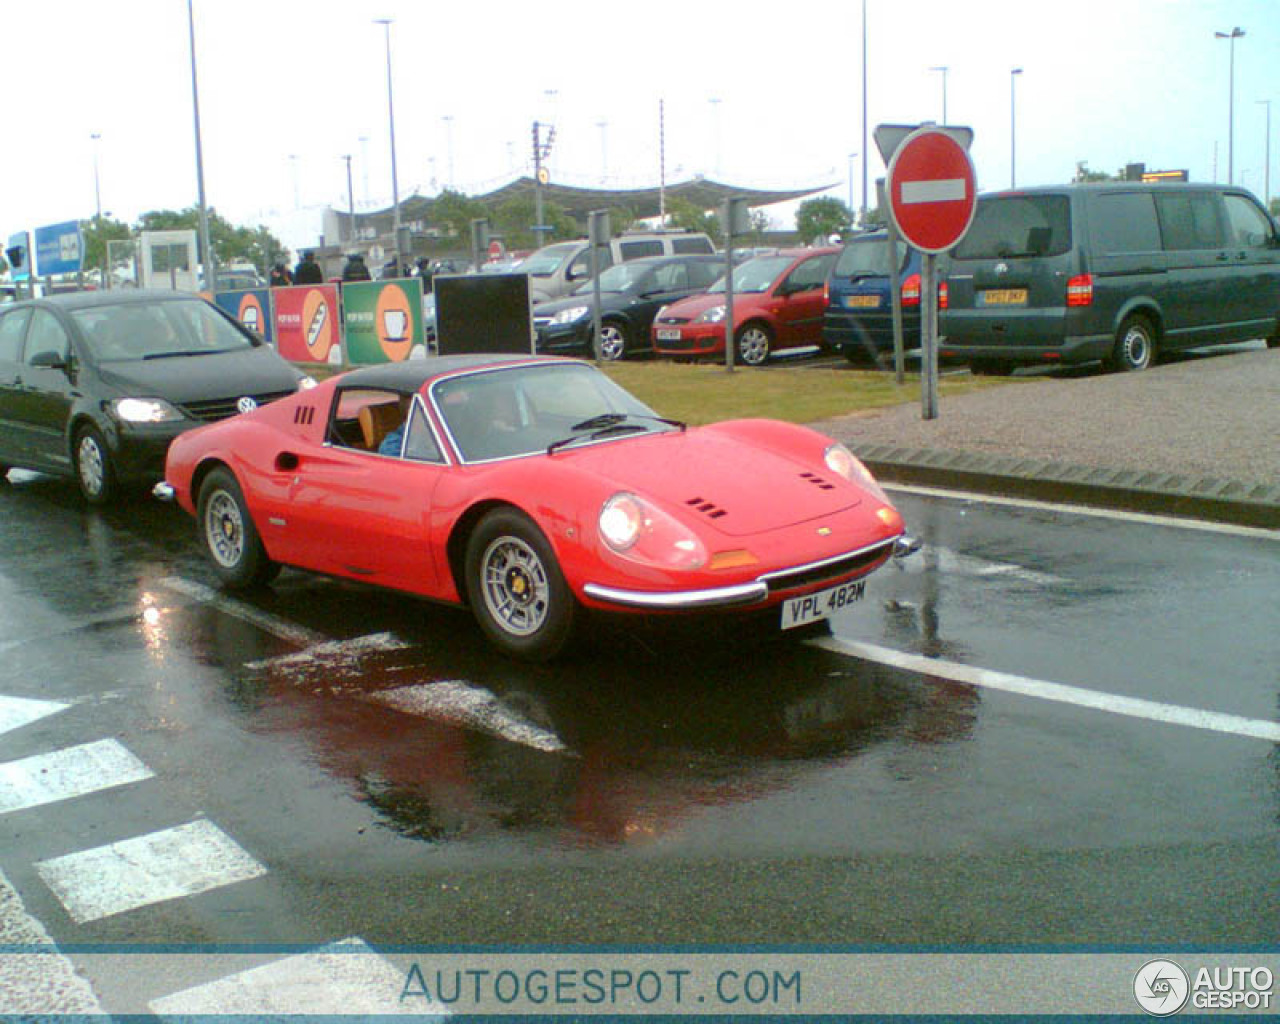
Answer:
(455, 212)
(97, 233)
(230, 244)
(687, 217)
(515, 220)
(818, 219)
(1084, 174)
(759, 225)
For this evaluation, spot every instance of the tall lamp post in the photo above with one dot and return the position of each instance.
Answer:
(351, 201)
(943, 69)
(97, 189)
(206, 251)
(391, 119)
(1013, 126)
(448, 128)
(1231, 37)
(1266, 173)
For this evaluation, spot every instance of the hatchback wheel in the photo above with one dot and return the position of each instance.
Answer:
(95, 472)
(613, 341)
(754, 342)
(1135, 344)
(227, 532)
(515, 587)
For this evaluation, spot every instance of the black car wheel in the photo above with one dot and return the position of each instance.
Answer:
(1135, 344)
(754, 343)
(228, 534)
(613, 340)
(515, 587)
(95, 472)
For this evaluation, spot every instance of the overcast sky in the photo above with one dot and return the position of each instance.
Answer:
(764, 97)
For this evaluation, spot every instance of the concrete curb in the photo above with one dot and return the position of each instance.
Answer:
(1187, 496)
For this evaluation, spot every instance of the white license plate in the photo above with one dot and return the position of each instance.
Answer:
(800, 611)
(669, 334)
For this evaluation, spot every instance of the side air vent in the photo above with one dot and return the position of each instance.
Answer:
(304, 415)
(708, 508)
(818, 482)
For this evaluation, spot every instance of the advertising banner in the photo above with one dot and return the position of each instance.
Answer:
(306, 323)
(252, 307)
(382, 321)
(59, 249)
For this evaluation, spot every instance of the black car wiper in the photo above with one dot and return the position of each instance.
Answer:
(178, 355)
(610, 423)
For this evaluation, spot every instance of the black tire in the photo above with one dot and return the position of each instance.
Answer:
(228, 534)
(95, 472)
(1135, 347)
(755, 342)
(1274, 340)
(615, 341)
(516, 589)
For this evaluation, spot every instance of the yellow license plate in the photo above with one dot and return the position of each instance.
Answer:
(1005, 297)
(862, 301)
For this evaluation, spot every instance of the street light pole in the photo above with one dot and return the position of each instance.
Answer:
(943, 69)
(448, 128)
(1231, 38)
(97, 190)
(391, 119)
(206, 251)
(351, 201)
(853, 212)
(1266, 174)
(1013, 126)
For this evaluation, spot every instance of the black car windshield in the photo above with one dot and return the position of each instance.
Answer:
(117, 333)
(1017, 225)
(622, 277)
(756, 275)
(520, 410)
(868, 257)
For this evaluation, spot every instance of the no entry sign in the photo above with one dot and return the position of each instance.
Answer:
(932, 190)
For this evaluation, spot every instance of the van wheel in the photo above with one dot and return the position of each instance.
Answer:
(1274, 340)
(1135, 345)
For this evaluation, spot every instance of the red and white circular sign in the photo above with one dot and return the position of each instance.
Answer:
(932, 190)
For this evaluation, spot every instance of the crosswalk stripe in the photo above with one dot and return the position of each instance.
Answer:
(63, 774)
(165, 865)
(16, 712)
(35, 978)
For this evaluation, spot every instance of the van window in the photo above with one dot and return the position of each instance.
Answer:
(1251, 227)
(695, 244)
(581, 265)
(635, 250)
(1190, 220)
(1018, 225)
(1124, 222)
(868, 258)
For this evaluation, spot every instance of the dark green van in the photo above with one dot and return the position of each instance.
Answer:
(1114, 272)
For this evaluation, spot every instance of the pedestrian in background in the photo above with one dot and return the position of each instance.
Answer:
(280, 276)
(308, 270)
(355, 270)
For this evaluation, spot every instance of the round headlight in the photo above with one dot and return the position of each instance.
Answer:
(840, 460)
(642, 532)
(620, 521)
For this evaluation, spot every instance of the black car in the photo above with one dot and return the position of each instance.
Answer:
(631, 294)
(96, 384)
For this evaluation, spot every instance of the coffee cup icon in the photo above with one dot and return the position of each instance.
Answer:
(394, 324)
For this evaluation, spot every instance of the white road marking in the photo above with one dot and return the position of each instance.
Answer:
(474, 707)
(940, 190)
(15, 712)
(1133, 707)
(35, 979)
(1087, 510)
(181, 861)
(64, 774)
(346, 978)
(299, 635)
(332, 654)
(966, 565)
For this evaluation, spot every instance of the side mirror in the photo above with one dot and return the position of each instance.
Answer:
(50, 361)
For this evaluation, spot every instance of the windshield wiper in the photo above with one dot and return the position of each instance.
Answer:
(610, 423)
(177, 355)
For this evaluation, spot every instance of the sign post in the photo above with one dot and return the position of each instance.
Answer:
(598, 232)
(932, 191)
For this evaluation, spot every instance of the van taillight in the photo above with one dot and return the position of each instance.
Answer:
(942, 295)
(1080, 290)
(911, 291)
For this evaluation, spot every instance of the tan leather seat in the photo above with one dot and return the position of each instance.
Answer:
(376, 421)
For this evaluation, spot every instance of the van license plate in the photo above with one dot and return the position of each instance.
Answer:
(1005, 297)
(862, 301)
(800, 611)
(669, 334)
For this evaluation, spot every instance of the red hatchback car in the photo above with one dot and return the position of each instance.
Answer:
(777, 304)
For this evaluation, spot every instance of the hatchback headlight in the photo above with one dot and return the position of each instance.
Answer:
(636, 529)
(710, 316)
(145, 410)
(570, 315)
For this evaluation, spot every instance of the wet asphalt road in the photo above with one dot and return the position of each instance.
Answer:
(666, 787)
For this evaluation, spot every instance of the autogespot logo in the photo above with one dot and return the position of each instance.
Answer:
(1161, 987)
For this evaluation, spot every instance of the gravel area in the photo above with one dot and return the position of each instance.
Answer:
(1215, 415)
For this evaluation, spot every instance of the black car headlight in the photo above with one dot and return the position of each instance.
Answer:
(145, 410)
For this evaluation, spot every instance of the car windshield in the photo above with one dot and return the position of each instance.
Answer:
(1017, 225)
(622, 277)
(756, 275)
(135, 330)
(868, 257)
(545, 262)
(504, 413)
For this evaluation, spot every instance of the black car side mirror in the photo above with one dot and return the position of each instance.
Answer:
(50, 360)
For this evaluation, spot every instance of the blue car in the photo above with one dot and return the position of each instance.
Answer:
(859, 314)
